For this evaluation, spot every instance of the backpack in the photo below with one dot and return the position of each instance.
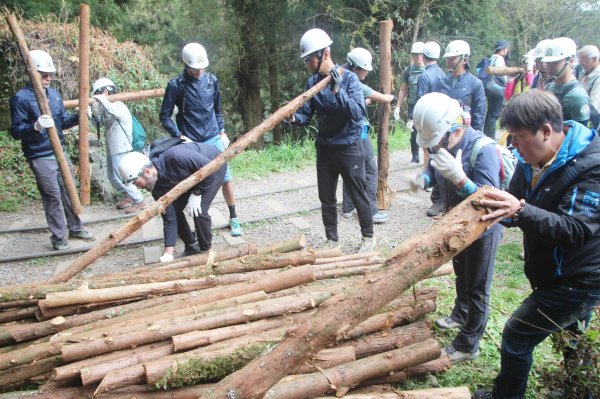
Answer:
(481, 70)
(508, 161)
(138, 134)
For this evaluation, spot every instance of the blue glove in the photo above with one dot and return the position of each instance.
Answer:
(336, 79)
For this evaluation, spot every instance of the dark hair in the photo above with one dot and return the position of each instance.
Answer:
(531, 110)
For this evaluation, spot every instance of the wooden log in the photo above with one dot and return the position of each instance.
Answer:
(47, 313)
(18, 314)
(65, 393)
(445, 270)
(391, 339)
(321, 260)
(351, 374)
(345, 264)
(26, 371)
(344, 272)
(439, 365)
(328, 358)
(17, 304)
(161, 204)
(383, 154)
(431, 393)
(124, 97)
(85, 173)
(414, 259)
(508, 71)
(42, 101)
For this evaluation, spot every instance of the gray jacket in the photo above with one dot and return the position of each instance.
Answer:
(116, 119)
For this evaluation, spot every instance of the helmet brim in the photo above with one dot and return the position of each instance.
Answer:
(428, 143)
(548, 58)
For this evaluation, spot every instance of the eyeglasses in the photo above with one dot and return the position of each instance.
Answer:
(47, 74)
(318, 54)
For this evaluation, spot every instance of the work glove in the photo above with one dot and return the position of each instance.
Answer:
(193, 208)
(225, 140)
(410, 124)
(417, 182)
(449, 166)
(397, 113)
(167, 257)
(43, 122)
(89, 112)
(336, 80)
(101, 98)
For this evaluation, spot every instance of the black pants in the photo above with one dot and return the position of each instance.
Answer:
(349, 162)
(372, 176)
(414, 147)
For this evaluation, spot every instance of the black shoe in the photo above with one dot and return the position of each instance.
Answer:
(482, 394)
(437, 208)
(415, 159)
(82, 235)
(191, 249)
(60, 245)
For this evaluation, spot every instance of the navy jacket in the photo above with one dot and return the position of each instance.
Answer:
(24, 112)
(177, 164)
(429, 80)
(560, 220)
(339, 116)
(199, 107)
(468, 90)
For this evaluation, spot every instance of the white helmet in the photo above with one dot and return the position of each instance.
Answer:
(434, 115)
(431, 50)
(457, 47)
(314, 40)
(540, 49)
(417, 48)
(103, 83)
(42, 61)
(194, 55)
(559, 49)
(131, 166)
(361, 58)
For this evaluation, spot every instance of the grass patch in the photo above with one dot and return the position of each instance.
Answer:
(17, 183)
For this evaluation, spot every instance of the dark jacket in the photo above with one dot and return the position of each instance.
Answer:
(24, 112)
(339, 116)
(199, 107)
(560, 220)
(429, 80)
(468, 90)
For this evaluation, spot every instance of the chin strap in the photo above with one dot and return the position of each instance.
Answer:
(564, 68)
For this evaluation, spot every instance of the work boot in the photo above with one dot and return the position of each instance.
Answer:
(457, 356)
(446, 323)
(437, 208)
(415, 159)
(60, 245)
(235, 227)
(367, 245)
(331, 244)
(124, 203)
(380, 217)
(191, 249)
(136, 207)
(483, 394)
(348, 215)
(82, 235)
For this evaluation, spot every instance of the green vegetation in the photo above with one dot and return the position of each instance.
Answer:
(17, 183)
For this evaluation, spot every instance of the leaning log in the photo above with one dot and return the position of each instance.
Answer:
(413, 260)
(161, 204)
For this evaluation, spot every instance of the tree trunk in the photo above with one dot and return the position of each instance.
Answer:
(392, 339)
(414, 259)
(274, 92)
(328, 358)
(352, 374)
(434, 366)
(26, 371)
(18, 314)
(85, 172)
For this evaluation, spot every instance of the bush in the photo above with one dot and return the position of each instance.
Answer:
(17, 183)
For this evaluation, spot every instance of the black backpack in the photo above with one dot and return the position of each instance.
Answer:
(481, 70)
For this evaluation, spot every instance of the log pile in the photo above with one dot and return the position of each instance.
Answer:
(196, 319)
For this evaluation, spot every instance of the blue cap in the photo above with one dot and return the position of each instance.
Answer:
(501, 44)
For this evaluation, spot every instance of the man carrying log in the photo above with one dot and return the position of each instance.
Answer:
(340, 113)
(171, 161)
(29, 126)
(441, 129)
(554, 199)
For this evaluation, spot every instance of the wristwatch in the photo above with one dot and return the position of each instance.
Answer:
(196, 191)
(519, 211)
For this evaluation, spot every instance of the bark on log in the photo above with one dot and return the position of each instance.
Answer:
(391, 339)
(439, 365)
(352, 374)
(410, 262)
(26, 371)
(321, 260)
(445, 270)
(17, 304)
(45, 313)
(509, 71)
(18, 314)
(328, 358)
(42, 101)
(161, 204)
(85, 173)
(125, 97)
(346, 264)
(344, 272)
(431, 393)
(383, 155)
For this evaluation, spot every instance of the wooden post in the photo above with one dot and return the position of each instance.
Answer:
(383, 155)
(84, 89)
(161, 204)
(125, 97)
(42, 101)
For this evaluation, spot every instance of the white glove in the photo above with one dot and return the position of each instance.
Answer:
(43, 122)
(89, 112)
(397, 113)
(449, 166)
(101, 98)
(417, 182)
(193, 207)
(167, 257)
(410, 124)
(225, 140)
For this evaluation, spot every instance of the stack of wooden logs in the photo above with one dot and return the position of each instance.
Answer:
(169, 330)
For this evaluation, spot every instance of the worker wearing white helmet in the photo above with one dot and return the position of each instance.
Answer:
(196, 95)
(408, 92)
(540, 79)
(441, 128)
(31, 128)
(558, 61)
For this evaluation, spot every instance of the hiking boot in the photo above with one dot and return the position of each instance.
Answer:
(82, 235)
(331, 244)
(367, 245)
(446, 323)
(60, 245)
(191, 249)
(235, 227)
(482, 394)
(457, 356)
(137, 206)
(348, 215)
(437, 208)
(380, 217)
(124, 203)
(415, 159)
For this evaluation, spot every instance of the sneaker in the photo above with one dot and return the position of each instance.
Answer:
(380, 217)
(415, 159)
(235, 227)
(482, 394)
(60, 245)
(429, 189)
(124, 203)
(136, 207)
(331, 244)
(436, 209)
(191, 249)
(367, 245)
(457, 356)
(446, 323)
(82, 235)
(348, 215)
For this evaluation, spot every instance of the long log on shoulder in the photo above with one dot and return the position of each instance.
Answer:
(161, 204)
(125, 97)
(413, 260)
